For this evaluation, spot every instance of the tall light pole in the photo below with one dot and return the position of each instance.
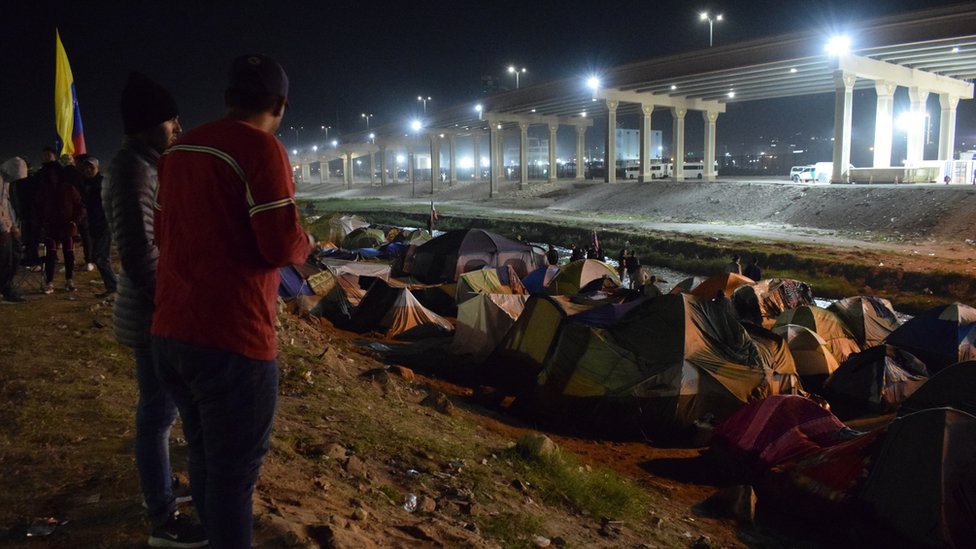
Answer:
(516, 72)
(296, 130)
(424, 100)
(326, 128)
(705, 17)
(366, 117)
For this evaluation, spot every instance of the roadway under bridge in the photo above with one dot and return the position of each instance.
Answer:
(928, 52)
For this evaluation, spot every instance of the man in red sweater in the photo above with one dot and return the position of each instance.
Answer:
(225, 222)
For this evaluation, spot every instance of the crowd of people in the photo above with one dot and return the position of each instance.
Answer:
(179, 208)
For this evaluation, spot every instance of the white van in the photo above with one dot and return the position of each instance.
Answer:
(696, 170)
(660, 170)
(803, 174)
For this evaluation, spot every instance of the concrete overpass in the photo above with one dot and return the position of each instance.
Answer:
(927, 52)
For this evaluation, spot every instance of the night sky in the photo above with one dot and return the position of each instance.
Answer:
(345, 58)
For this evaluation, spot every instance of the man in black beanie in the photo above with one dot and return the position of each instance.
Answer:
(151, 122)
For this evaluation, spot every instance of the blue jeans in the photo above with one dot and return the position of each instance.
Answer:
(155, 414)
(227, 402)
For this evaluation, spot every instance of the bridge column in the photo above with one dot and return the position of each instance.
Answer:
(476, 152)
(708, 171)
(947, 125)
(553, 169)
(494, 160)
(383, 156)
(916, 125)
(323, 170)
(523, 154)
(883, 123)
(306, 173)
(580, 147)
(610, 158)
(645, 143)
(678, 142)
(843, 108)
(372, 171)
(411, 158)
(452, 154)
(435, 161)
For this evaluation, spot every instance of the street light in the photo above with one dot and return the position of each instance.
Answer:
(366, 117)
(516, 72)
(296, 130)
(326, 128)
(705, 17)
(424, 100)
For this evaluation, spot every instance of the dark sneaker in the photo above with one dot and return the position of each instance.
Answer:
(106, 294)
(69, 285)
(14, 298)
(178, 531)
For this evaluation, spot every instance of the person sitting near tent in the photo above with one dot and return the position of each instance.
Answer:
(552, 256)
(753, 270)
(651, 289)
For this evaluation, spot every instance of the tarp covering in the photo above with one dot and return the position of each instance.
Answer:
(765, 300)
(488, 281)
(776, 354)
(483, 321)
(686, 285)
(875, 381)
(923, 483)
(940, 336)
(827, 325)
(445, 257)
(869, 318)
(724, 282)
(766, 432)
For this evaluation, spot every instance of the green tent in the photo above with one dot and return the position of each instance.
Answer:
(869, 318)
(364, 237)
(827, 325)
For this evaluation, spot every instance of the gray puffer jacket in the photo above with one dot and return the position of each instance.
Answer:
(127, 195)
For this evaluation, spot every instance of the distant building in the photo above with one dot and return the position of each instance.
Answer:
(628, 146)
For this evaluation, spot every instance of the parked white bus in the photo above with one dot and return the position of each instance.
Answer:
(696, 170)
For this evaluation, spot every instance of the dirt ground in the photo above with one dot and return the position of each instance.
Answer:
(357, 433)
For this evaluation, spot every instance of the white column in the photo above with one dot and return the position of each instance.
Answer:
(306, 173)
(476, 152)
(553, 169)
(411, 158)
(678, 142)
(580, 147)
(347, 168)
(452, 154)
(916, 125)
(324, 170)
(947, 126)
(843, 108)
(883, 123)
(610, 158)
(708, 173)
(494, 163)
(523, 154)
(372, 171)
(646, 154)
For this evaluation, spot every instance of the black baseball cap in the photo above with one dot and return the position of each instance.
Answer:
(258, 74)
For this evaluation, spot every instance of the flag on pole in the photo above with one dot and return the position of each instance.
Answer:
(67, 116)
(433, 212)
(596, 241)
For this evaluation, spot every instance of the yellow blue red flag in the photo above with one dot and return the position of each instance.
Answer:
(67, 116)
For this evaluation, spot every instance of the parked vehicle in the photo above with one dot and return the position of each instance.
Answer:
(696, 170)
(803, 174)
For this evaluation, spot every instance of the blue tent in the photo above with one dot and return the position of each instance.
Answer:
(292, 283)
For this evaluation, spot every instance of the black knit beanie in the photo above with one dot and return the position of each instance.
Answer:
(145, 104)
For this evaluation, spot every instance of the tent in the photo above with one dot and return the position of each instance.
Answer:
(292, 283)
(724, 282)
(923, 482)
(875, 381)
(869, 318)
(687, 284)
(767, 432)
(364, 237)
(576, 274)
(395, 311)
(488, 281)
(776, 354)
(483, 321)
(765, 300)
(954, 386)
(670, 361)
(940, 336)
(536, 281)
(827, 325)
(814, 361)
(334, 227)
(443, 258)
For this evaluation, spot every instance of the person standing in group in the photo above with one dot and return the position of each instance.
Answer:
(71, 171)
(99, 233)
(734, 266)
(633, 265)
(60, 211)
(214, 335)
(552, 256)
(12, 170)
(752, 270)
(151, 121)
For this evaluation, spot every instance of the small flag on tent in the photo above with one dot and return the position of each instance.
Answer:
(596, 241)
(67, 116)
(433, 212)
